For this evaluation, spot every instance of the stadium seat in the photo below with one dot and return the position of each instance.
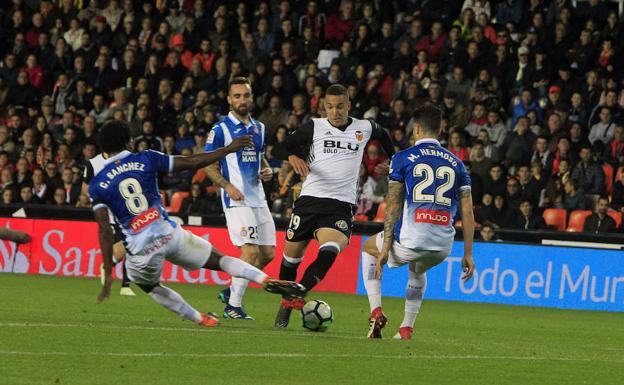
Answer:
(363, 218)
(555, 218)
(617, 217)
(176, 201)
(381, 213)
(608, 174)
(577, 220)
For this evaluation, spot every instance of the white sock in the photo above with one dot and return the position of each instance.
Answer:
(416, 286)
(373, 286)
(241, 269)
(174, 302)
(237, 290)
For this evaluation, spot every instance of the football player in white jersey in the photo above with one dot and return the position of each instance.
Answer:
(427, 183)
(92, 167)
(333, 147)
(240, 175)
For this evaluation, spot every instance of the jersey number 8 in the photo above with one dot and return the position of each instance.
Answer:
(132, 192)
(444, 173)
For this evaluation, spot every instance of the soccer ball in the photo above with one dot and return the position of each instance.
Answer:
(317, 315)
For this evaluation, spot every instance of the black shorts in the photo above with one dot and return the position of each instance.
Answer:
(311, 214)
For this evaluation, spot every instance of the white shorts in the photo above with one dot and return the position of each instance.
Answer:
(423, 259)
(250, 225)
(181, 248)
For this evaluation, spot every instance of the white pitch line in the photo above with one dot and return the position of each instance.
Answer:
(302, 355)
(183, 329)
(276, 355)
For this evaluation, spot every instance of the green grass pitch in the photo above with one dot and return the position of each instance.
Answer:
(52, 332)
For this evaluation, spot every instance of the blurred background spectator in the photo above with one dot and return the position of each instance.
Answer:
(532, 91)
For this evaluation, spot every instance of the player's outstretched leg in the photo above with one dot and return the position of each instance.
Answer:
(232, 297)
(174, 302)
(377, 319)
(237, 268)
(416, 286)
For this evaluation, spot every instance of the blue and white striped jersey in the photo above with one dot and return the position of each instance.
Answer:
(241, 168)
(433, 178)
(127, 185)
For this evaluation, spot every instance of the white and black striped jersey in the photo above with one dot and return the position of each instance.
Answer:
(93, 166)
(334, 155)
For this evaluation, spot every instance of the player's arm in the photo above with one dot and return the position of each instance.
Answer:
(213, 171)
(266, 172)
(105, 234)
(379, 133)
(394, 206)
(295, 145)
(193, 162)
(87, 175)
(467, 216)
(214, 142)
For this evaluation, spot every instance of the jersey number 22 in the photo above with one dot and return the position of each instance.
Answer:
(445, 173)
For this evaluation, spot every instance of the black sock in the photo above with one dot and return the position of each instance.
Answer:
(324, 261)
(125, 281)
(288, 270)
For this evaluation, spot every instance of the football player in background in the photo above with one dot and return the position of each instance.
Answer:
(240, 175)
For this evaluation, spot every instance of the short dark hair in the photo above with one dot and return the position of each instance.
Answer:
(337, 90)
(429, 118)
(114, 136)
(542, 137)
(238, 80)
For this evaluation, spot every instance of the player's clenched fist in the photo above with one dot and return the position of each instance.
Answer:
(240, 142)
(299, 165)
(234, 193)
(266, 174)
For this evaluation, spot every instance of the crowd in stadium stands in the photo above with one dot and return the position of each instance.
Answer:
(532, 93)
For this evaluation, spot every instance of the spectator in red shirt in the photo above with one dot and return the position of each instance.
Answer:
(434, 42)
(456, 148)
(34, 72)
(186, 56)
(32, 35)
(313, 19)
(339, 25)
(205, 55)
